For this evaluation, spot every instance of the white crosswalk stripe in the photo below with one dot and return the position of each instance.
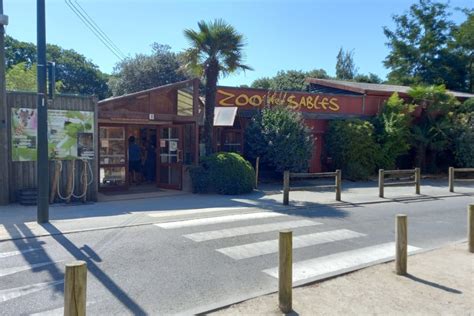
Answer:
(8, 271)
(218, 220)
(248, 230)
(340, 262)
(9, 294)
(271, 246)
(17, 252)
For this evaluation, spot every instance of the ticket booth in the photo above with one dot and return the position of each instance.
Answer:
(160, 127)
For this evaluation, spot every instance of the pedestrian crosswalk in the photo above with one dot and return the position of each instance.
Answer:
(310, 269)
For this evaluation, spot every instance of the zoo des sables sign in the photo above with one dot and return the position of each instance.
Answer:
(70, 134)
(258, 98)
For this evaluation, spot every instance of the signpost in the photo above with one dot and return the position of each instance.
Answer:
(4, 179)
(42, 165)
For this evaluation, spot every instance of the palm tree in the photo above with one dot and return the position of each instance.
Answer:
(216, 50)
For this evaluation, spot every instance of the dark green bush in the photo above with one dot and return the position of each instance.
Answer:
(281, 138)
(352, 146)
(224, 173)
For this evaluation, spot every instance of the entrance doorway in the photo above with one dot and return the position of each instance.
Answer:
(170, 157)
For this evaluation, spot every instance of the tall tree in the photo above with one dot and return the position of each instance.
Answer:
(345, 66)
(420, 51)
(143, 72)
(464, 45)
(77, 74)
(21, 77)
(370, 78)
(216, 50)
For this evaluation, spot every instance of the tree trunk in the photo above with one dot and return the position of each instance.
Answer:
(212, 73)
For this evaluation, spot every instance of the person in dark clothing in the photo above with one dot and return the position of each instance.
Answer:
(150, 162)
(134, 160)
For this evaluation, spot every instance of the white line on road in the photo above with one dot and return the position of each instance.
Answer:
(10, 294)
(218, 219)
(271, 246)
(196, 211)
(8, 271)
(247, 230)
(343, 262)
(17, 252)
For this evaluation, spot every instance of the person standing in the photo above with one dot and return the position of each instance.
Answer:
(134, 160)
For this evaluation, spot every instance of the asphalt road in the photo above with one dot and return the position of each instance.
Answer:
(190, 263)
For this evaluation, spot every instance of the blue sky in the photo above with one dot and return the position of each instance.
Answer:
(280, 35)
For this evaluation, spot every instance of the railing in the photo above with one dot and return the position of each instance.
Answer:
(289, 175)
(452, 172)
(412, 172)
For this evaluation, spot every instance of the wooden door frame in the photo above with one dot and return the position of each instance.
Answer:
(178, 164)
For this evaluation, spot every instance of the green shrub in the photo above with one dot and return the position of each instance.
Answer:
(224, 173)
(281, 138)
(352, 146)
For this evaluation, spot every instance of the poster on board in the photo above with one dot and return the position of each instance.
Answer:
(70, 134)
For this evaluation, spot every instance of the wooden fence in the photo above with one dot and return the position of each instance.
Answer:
(289, 175)
(453, 171)
(415, 173)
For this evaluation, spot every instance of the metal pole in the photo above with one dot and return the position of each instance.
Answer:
(4, 177)
(42, 108)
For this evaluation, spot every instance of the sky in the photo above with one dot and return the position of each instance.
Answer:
(280, 34)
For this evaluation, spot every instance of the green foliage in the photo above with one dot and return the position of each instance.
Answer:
(352, 146)
(224, 173)
(77, 74)
(143, 72)
(463, 134)
(423, 46)
(392, 131)
(370, 78)
(20, 77)
(216, 49)
(345, 66)
(291, 80)
(431, 133)
(281, 138)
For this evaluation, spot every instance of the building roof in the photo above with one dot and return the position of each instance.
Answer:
(373, 88)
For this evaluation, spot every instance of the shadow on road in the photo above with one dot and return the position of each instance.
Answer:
(433, 284)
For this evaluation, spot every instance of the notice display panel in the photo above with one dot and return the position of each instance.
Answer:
(70, 134)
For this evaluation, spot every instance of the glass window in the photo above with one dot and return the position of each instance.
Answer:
(185, 102)
(112, 145)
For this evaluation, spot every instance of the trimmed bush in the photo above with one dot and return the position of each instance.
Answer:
(224, 173)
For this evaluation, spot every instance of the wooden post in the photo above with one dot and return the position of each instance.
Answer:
(84, 178)
(54, 187)
(451, 179)
(338, 185)
(470, 227)
(381, 182)
(286, 187)
(401, 245)
(75, 285)
(257, 166)
(285, 272)
(417, 180)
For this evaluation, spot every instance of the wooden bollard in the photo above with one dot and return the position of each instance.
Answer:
(451, 179)
(286, 187)
(401, 248)
(75, 285)
(338, 184)
(470, 227)
(381, 182)
(417, 180)
(257, 167)
(285, 272)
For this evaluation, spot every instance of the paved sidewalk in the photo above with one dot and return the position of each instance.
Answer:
(18, 221)
(440, 282)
